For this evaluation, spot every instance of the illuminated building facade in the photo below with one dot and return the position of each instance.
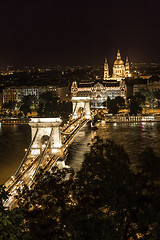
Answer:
(153, 84)
(106, 69)
(10, 94)
(120, 69)
(17, 93)
(111, 86)
(135, 85)
(99, 92)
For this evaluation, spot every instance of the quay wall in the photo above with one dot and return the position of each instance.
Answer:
(132, 119)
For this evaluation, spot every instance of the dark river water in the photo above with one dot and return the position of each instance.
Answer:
(134, 136)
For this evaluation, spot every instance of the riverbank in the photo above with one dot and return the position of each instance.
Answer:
(13, 121)
(111, 119)
(142, 118)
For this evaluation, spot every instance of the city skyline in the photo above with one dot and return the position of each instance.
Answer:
(81, 32)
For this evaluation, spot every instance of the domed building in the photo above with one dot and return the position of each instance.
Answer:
(120, 70)
(110, 86)
(106, 69)
(118, 67)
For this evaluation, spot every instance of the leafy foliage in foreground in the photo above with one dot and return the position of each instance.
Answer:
(104, 200)
(51, 106)
(11, 222)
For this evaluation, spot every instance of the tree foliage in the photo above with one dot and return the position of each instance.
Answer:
(134, 106)
(157, 94)
(149, 96)
(10, 105)
(51, 106)
(114, 104)
(106, 199)
(28, 103)
(11, 222)
(140, 98)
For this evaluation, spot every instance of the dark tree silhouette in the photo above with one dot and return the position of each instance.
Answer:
(11, 222)
(106, 199)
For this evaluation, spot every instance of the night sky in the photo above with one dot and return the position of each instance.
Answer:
(71, 32)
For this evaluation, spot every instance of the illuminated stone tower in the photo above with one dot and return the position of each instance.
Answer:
(127, 69)
(106, 69)
(74, 89)
(118, 67)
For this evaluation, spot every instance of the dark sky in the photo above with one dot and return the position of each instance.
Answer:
(78, 31)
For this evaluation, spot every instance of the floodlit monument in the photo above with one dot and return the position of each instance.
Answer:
(111, 86)
(120, 69)
(45, 131)
(81, 106)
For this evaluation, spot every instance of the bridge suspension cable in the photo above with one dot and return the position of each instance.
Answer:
(72, 113)
(76, 126)
(74, 110)
(42, 156)
(26, 154)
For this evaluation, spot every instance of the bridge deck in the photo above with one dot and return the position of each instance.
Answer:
(29, 168)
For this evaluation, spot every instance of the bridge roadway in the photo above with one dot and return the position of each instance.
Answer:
(45, 160)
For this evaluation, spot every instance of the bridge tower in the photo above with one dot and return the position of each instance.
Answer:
(48, 130)
(81, 103)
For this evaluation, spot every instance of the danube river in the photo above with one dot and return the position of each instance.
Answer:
(134, 136)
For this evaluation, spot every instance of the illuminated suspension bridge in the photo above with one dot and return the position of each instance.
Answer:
(49, 142)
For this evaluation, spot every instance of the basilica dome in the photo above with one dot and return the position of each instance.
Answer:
(118, 62)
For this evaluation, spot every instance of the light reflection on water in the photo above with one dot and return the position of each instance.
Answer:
(13, 140)
(134, 136)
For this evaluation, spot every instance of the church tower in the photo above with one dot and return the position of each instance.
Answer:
(118, 67)
(118, 55)
(106, 69)
(74, 89)
(127, 69)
